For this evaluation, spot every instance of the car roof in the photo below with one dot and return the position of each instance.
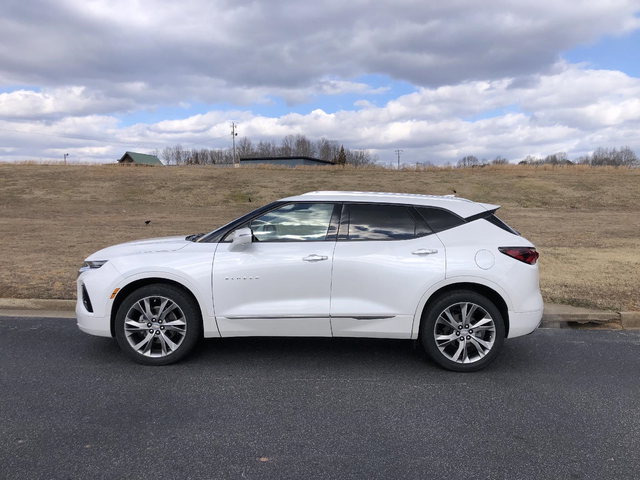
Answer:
(457, 205)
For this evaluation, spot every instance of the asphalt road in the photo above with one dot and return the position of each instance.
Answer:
(556, 404)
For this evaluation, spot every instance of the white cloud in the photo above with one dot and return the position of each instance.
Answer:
(572, 109)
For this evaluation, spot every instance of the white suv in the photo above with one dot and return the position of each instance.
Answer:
(441, 269)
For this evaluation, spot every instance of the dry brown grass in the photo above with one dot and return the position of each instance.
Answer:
(585, 222)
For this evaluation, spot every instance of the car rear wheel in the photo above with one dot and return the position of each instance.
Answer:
(462, 331)
(158, 324)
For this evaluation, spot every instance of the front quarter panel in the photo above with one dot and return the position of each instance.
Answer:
(190, 267)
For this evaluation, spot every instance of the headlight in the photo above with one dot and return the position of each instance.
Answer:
(90, 265)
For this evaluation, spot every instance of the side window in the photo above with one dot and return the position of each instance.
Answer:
(296, 222)
(380, 222)
(439, 219)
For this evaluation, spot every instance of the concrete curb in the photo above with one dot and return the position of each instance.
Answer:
(555, 316)
(630, 319)
(584, 320)
(37, 304)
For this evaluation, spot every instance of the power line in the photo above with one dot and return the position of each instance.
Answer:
(205, 141)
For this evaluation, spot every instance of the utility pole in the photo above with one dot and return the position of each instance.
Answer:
(65, 158)
(398, 152)
(233, 136)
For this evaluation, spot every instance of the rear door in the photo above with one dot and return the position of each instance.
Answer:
(385, 259)
(280, 284)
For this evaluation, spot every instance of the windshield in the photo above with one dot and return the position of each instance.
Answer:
(218, 233)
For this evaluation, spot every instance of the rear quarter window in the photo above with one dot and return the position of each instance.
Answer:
(500, 224)
(439, 219)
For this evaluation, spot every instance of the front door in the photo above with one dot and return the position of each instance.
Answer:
(280, 284)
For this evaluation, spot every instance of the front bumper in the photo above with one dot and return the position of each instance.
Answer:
(524, 323)
(89, 323)
(99, 284)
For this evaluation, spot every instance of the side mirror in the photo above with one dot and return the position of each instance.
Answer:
(241, 238)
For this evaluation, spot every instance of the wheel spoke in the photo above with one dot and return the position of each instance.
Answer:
(481, 351)
(484, 327)
(469, 316)
(144, 341)
(176, 323)
(162, 306)
(176, 326)
(444, 340)
(141, 306)
(135, 325)
(168, 341)
(148, 346)
(458, 352)
(449, 320)
(483, 321)
(147, 308)
(163, 313)
(163, 344)
(483, 343)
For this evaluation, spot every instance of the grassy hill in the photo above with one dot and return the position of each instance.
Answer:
(585, 222)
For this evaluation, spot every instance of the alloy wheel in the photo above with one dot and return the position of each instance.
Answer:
(464, 332)
(155, 326)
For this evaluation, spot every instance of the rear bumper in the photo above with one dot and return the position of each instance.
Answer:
(91, 324)
(524, 323)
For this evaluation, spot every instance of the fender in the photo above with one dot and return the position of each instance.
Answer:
(206, 307)
(452, 281)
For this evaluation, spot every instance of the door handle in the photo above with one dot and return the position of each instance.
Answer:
(315, 258)
(424, 251)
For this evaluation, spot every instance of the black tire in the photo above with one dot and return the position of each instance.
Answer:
(192, 318)
(436, 308)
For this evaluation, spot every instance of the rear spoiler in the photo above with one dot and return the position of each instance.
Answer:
(489, 215)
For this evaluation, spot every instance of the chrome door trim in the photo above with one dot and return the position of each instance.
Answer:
(275, 317)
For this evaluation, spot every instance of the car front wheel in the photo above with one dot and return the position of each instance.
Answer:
(462, 331)
(158, 324)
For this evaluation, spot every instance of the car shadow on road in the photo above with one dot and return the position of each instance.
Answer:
(320, 354)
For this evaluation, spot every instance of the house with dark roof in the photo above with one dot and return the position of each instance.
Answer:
(288, 161)
(133, 158)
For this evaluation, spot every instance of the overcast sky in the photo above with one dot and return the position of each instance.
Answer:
(439, 80)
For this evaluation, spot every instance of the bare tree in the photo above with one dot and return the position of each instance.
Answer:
(342, 157)
(499, 160)
(287, 146)
(167, 155)
(628, 157)
(303, 146)
(468, 161)
(245, 148)
(359, 158)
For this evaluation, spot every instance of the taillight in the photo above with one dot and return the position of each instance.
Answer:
(524, 254)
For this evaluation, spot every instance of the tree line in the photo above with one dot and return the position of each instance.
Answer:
(601, 156)
(333, 151)
(289, 146)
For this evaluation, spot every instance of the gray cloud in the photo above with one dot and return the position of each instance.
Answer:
(212, 50)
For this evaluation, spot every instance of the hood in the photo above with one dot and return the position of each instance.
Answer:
(150, 245)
